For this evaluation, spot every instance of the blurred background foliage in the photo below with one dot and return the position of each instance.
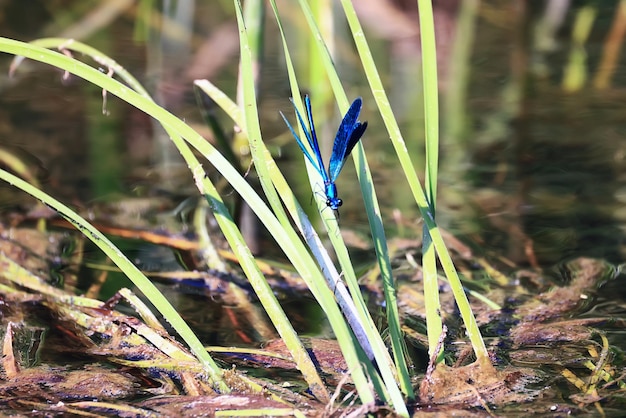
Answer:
(532, 154)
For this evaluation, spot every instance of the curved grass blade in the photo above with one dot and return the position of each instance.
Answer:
(312, 277)
(382, 101)
(179, 128)
(299, 217)
(380, 245)
(132, 272)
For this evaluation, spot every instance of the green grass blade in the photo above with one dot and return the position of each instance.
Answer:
(260, 155)
(309, 272)
(432, 306)
(431, 98)
(248, 91)
(385, 365)
(294, 250)
(298, 215)
(393, 129)
(132, 272)
(354, 310)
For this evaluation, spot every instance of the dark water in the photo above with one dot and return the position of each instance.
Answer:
(524, 161)
(530, 170)
(532, 127)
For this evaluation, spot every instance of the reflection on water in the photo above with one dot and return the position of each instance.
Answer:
(532, 131)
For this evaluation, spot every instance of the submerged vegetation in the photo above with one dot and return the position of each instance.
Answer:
(405, 334)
